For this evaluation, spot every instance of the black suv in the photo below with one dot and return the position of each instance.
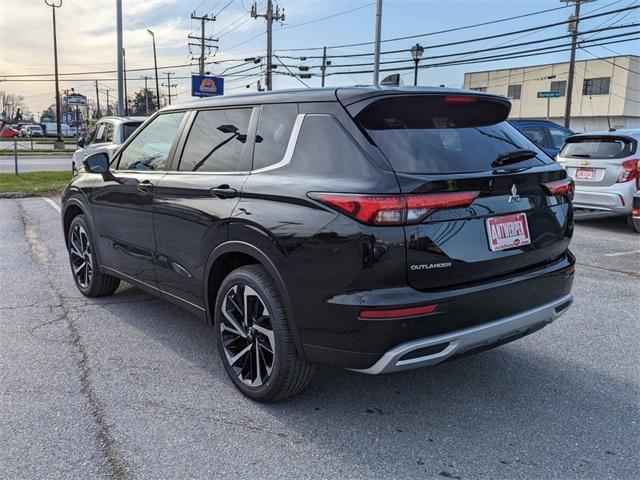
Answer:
(375, 229)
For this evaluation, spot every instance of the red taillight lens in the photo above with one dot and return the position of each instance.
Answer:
(564, 187)
(629, 171)
(398, 312)
(393, 209)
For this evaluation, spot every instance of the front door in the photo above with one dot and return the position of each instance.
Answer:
(123, 206)
(195, 199)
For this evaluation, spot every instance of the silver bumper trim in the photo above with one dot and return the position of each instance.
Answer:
(463, 340)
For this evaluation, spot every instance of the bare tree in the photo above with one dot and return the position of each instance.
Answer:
(11, 105)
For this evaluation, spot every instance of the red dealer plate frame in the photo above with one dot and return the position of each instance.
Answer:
(508, 231)
(588, 174)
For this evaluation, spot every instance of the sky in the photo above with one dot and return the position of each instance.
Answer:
(87, 40)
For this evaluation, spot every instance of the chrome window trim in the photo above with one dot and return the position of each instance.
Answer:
(291, 146)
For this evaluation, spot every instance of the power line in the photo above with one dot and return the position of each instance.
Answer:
(449, 30)
(518, 54)
(471, 40)
(534, 42)
(292, 74)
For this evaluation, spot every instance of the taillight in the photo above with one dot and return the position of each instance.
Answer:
(460, 99)
(629, 171)
(393, 209)
(565, 187)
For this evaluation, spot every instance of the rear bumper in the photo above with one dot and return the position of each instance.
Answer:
(433, 350)
(342, 339)
(616, 198)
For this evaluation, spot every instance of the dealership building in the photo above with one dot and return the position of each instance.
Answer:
(606, 92)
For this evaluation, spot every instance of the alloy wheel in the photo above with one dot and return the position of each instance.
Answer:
(247, 335)
(80, 251)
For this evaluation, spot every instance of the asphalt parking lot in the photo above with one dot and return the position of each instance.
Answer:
(129, 386)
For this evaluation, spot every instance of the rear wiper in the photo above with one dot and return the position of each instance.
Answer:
(513, 156)
(581, 155)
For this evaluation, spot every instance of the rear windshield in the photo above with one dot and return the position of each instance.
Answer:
(129, 128)
(435, 134)
(603, 148)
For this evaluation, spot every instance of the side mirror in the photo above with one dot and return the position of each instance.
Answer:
(81, 142)
(97, 163)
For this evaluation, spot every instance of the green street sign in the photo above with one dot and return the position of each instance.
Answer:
(548, 94)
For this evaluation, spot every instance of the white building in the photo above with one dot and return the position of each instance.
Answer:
(606, 92)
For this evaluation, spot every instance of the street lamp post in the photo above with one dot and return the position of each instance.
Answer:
(416, 53)
(155, 66)
(56, 4)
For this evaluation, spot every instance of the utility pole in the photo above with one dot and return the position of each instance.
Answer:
(98, 113)
(325, 64)
(146, 96)
(120, 54)
(126, 96)
(203, 40)
(573, 28)
(155, 67)
(376, 52)
(169, 85)
(270, 16)
(56, 4)
(106, 90)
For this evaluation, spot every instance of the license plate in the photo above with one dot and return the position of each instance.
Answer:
(585, 174)
(508, 231)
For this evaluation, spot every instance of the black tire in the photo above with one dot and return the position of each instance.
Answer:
(290, 374)
(634, 223)
(89, 280)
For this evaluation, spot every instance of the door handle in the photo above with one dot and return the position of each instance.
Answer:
(145, 186)
(224, 191)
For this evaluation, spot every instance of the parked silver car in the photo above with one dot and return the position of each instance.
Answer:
(605, 167)
(107, 136)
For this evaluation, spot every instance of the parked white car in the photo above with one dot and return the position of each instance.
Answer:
(50, 130)
(31, 131)
(605, 167)
(107, 136)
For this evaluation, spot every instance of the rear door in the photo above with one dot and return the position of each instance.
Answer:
(480, 220)
(597, 160)
(195, 199)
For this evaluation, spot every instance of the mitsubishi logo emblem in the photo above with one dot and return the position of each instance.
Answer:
(514, 194)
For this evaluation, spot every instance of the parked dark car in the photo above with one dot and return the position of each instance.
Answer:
(375, 229)
(549, 136)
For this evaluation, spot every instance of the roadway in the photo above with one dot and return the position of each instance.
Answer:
(129, 386)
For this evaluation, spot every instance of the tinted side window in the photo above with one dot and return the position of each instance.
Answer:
(274, 129)
(216, 141)
(149, 150)
(536, 135)
(558, 136)
(128, 129)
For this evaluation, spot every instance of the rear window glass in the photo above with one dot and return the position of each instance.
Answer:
(443, 134)
(598, 147)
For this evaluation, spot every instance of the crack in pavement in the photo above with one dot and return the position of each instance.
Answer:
(631, 273)
(121, 470)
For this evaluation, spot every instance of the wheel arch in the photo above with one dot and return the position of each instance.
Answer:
(72, 208)
(231, 255)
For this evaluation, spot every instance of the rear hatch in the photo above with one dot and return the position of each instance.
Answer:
(599, 160)
(486, 201)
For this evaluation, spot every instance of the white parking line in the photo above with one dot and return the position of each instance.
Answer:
(620, 254)
(52, 203)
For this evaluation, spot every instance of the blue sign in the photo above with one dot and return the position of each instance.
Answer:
(203, 86)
